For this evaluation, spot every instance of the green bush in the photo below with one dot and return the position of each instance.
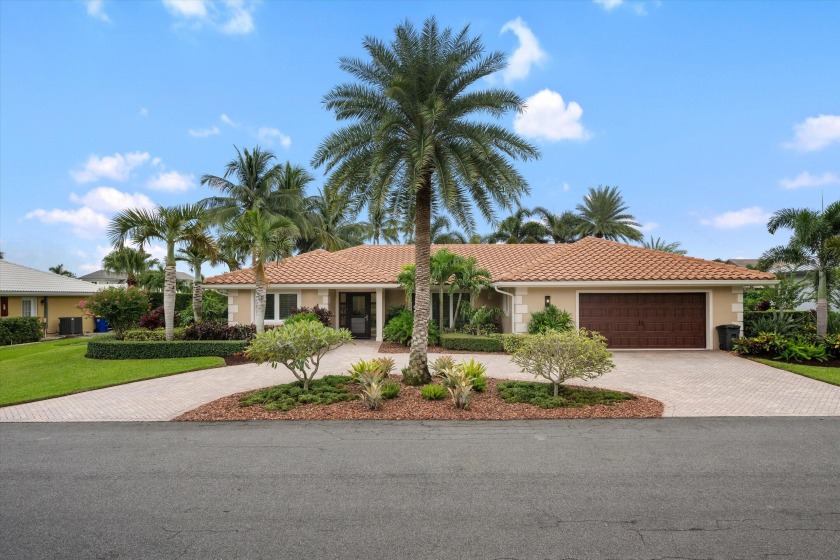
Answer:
(765, 344)
(298, 317)
(390, 390)
(121, 307)
(799, 349)
(327, 390)
(179, 333)
(17, 330)
(511, 342)
(400, 328)
(473, 343)
(481, 321)
(214, 307)
(550, 319)
(433, 392)
(106, 347)
(541, 395)
(477, 372)
(780, 322)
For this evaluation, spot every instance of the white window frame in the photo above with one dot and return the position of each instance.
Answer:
(33, 302)
(272, 293)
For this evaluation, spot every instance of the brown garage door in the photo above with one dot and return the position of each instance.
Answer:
(646, 320)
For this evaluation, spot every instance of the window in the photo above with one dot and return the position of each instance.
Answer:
(279, 306)
(28, 308)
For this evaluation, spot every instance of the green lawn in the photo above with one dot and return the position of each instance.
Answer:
(827, 374)
(32, 372)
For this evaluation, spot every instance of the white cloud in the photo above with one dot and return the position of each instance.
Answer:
(566, 187)
(171, 181)
(110, 200)
(548, 117)
(144, 112)
(527, 54)
(156, 162)
(96, 9)
(609, 5)
(649, 227)
(117, 167)
(269, 135)
(187, 8)
(227, 120)
(231, 17)
(738, 218)
(805, 179)
(239, 19)
(815, 133)
(86, 222)
(204, 132)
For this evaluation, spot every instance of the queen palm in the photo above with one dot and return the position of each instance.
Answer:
(412, 139)
(129, 261)
(174, 226)
(604, 215)
(662, 245)
(813, 243)
(519, 228)
(61, 271)
(264, 237)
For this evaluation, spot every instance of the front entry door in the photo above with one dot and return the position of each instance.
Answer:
(358, 314)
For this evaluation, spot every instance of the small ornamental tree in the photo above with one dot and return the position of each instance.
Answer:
(299, 346)
(559, 356)
(121, 307)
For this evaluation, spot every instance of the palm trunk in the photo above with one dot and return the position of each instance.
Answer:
(418, 358)
(260, 304)
(822, 304)
(197, 292)
(169, 299)
(440, 307)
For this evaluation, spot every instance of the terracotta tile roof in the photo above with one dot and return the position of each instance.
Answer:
(588, 259)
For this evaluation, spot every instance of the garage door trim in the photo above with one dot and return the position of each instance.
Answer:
(709, 308)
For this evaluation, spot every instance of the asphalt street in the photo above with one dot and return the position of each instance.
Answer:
(729, 488)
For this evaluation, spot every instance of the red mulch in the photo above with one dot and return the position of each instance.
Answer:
(237, 359)
(411, 406)
(394, 348)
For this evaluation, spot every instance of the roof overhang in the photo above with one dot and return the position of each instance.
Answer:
(299, 286)
(635, 283)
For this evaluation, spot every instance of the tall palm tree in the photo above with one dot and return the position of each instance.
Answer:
(175, 226)
(519, 228)
(604, 214)
(129, 261)
(561, 228)
(383, 224)
(154, 280)
(661, 245)
(61, 271)
(332, 216)
(412, 139)
(441, 232)
(812, 243)
(196, 256)
(264, 237)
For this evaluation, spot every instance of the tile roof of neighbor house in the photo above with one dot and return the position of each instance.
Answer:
(22, 280)
(103, 275)
(590, 259)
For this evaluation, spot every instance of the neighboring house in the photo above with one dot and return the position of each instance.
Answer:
(638, 298)
(800, 274)
(27, 292)
(111, 278)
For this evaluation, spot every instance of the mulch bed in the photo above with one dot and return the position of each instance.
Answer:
(411, 406)
(394, 348)
(237, 359)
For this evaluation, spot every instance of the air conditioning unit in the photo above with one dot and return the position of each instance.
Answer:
(70, 325)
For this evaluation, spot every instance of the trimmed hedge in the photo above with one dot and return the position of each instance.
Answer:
(108, 348)
(801, 318)
(157, 335)
(459, 341)
(17, 330)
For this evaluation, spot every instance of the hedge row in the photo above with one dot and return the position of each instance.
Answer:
(17, 330)
(108, 348)
(154, 335)
(459, 341)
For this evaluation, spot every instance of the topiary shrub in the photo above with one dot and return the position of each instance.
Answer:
(325, 316)
(17, 330)
(400, 328)
(550, 319)
(106, 347)
(121, 307)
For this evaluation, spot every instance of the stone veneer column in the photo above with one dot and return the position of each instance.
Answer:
(520, 311)
(738, 307)
(232, 308)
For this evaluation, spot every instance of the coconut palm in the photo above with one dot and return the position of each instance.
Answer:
(811, 244)
(61, 271)
(661, 245)
(332, 217)
(175, 226)
(129, 261)
(264, 237)
(604, 214)
(561, 228)
(413, 140)
(519, 228)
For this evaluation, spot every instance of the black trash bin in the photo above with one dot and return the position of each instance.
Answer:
(727, 334)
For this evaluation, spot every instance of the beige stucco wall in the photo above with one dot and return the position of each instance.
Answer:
(57, 306)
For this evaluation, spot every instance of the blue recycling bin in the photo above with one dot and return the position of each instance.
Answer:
(101, 324)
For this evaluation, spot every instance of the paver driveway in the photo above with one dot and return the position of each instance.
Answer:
(697, 383)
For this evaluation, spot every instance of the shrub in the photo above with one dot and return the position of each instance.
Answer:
(327, 390)
(219, 330)
(477, 372)
(393, 311)
(179, 333)
(390, 390)
(400, 328)
(799, 349)
(481, 321)
(550, 319)
(541, 395)
(121, 307)
(560, 356)
(214, 307)
(761, 345)
(108, 348)
(155, 319)
(459, 341)
(442, 363)
(325, 316)
(458, 384)
(299, 347)
(511, 342)
(780, 322)
(433, 392)
(17, 330)
(832, 345)
(375, 370)
(298, 317)
(371, 395)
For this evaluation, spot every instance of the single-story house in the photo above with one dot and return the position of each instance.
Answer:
(27, 292)
(637, 298)
(113, 279)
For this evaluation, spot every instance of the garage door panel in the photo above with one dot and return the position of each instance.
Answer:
(646, 320)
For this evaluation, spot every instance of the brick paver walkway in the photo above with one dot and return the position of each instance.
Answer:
(702, 383)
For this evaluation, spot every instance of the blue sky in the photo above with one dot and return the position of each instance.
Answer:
(709, 116)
